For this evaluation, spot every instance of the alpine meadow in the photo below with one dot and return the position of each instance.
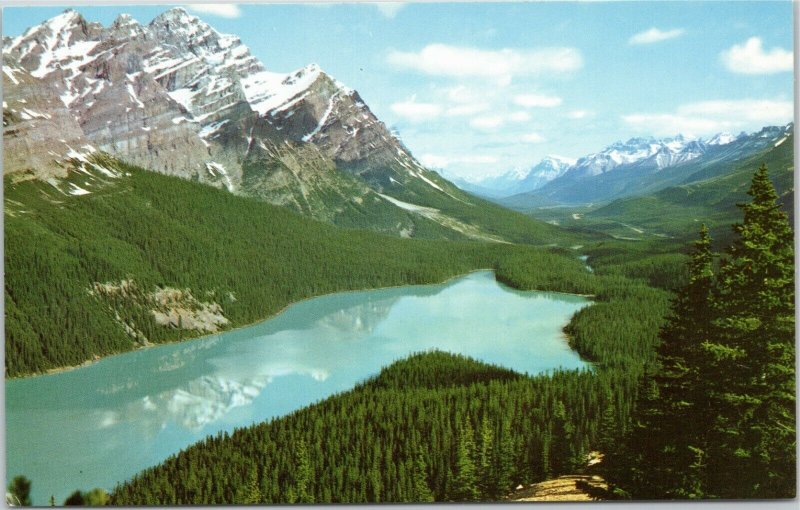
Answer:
(297, 253)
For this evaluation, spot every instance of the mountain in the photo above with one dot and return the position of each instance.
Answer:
(644, 165)
(709, 196)
(516, 181)
(177, 97)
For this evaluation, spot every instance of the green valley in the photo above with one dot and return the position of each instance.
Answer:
(86, 273)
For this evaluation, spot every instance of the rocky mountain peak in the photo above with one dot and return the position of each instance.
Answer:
(179, 28)
(178, 97)
(124, 20)
(176, 17)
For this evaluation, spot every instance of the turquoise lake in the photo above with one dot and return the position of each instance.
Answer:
(99, 425)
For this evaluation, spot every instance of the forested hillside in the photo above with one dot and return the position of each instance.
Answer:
(716, 416)
(145, 258)
(478, 430)
(709, 195)
(436, 426)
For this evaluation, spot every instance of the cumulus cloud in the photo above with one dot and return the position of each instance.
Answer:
(519, 117)
(579, 114)
(389, 9)
(487, 123)
(710, 117)
(221, 10)
(751, 58)
(537, 101)
(532, 138)
(413, 111)
(655, 35)
(498, 65)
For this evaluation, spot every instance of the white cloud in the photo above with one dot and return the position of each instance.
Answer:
(434, 161)
(417, 112)
(519, 117)
(463, 110)
(579, 114)
(655, 35)
(710, 117)
(532, 138)
(389, 9)
(222, 10)
(438, 161)
(487, 123)
(537, 101)
(498, 65)
(750, 58)
(464, 94)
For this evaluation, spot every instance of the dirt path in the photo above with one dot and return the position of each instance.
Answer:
(564, 488)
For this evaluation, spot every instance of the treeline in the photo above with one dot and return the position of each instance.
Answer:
(435, 426)
(716, 416)
(250, 257)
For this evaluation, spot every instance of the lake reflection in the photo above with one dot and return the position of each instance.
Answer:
(101, 424)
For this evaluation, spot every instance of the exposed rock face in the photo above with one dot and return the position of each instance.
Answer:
(177, 97)
(38, 131)
(180, 98)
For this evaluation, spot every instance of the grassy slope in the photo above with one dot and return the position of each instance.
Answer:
(249, 257)
(491, 218)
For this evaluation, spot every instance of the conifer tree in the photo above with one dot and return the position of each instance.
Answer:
(250, 494)
(300, 491)
(754, 390)
(677, 419)
(465, 485)
(505, 459)
(486, 467)
(421, 492)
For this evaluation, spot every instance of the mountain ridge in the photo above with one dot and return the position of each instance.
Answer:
(644, 165)
(177, 97)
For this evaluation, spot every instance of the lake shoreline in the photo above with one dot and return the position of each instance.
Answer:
(96, 358)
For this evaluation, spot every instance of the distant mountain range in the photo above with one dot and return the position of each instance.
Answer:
(177, 97)
(515, 181)
(640, 165)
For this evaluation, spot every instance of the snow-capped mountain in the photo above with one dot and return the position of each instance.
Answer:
(642, 165)
(516, 180)
(549, 168)
(661, 153)
(178, 97)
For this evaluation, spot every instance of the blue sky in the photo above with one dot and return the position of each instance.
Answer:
(479, 89)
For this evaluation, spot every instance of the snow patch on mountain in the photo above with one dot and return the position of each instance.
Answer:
(269, 92)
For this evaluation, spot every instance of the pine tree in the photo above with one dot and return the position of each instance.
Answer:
(421, 492)
(300, 492)
(754, 390)
(486, 469)
(505, 459)
(680, 427)
(465, 485)
(250, 494)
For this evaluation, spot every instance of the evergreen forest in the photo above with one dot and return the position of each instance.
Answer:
(690, 392)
